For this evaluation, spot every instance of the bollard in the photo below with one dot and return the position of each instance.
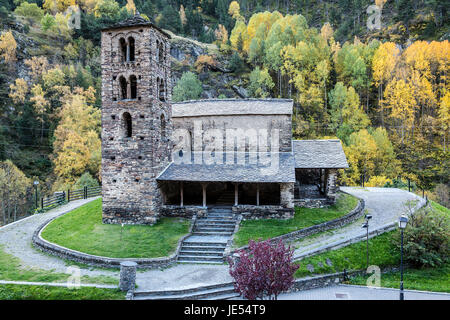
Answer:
(127, 275)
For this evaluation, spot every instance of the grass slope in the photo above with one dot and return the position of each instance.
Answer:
(83, 230)
(427, 279)
(10, 269)
(303, 218)
(25, 292)
(352, 257)
(382, 253)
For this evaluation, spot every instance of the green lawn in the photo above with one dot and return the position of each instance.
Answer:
(382, 253)
(303, 218)
(10, 269)
(353, 257)
(83, 230)
(25, 292)
(427, 279)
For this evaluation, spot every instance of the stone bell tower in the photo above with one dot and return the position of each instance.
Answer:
(136, 119)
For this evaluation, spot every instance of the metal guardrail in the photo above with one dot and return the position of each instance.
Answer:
(61, 197)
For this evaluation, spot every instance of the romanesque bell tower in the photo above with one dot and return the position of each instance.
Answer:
(136, 119)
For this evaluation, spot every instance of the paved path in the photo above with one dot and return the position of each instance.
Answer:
(384, 204)
(15, 238)
(351, 292)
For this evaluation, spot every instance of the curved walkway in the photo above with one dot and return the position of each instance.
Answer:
(15, 238)
(384, 204)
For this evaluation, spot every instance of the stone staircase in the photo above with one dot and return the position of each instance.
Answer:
(226, 198)
(221, 291)
(209, 237)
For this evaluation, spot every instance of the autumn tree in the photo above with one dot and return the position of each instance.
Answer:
(8, 47)
(77, 140)
(38, 65)
(40, 105)
(264, 270)
(13, 190)
(384, 61)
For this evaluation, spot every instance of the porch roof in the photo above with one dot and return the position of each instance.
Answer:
(231, 167)
(320, 154)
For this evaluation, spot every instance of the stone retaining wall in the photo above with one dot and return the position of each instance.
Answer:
(253, 212)
(313, 203)
(353, 215)
(100, 261)
(184, 212)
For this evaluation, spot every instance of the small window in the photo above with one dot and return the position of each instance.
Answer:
(113, 117)
(161, 53)
(141, 116)
(123, 87)
(131, 48)
(113, 158)
(123, 49)
(133, 86)
(127, 125)
(163, 127)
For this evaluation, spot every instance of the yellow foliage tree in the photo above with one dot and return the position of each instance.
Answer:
(131, 7)
(55, 6)
(204, 61)
(8, 46)
(234, 10)
(38, 65)
(77, 140)
(18, 91)
(400, 100)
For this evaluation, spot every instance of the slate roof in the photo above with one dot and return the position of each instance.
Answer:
(135, 21)
(221, 107)
(326, 154)
(234, 167)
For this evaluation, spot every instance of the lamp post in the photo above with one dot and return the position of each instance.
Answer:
(402, 222)
(36, 183)
(366, 226)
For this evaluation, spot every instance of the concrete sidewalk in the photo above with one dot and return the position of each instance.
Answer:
(352, 292)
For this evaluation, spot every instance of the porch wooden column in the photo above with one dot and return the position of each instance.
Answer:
(257, 194)
(236, 189)
(204, 194)
(181, 194)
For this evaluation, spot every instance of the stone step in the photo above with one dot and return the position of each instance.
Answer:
(221, 291)
(216, 221)
(191, 258)
(215, 225)
(222, 217)
(189, 247)
(212, 233)
(218, 254)
(205, 244)
(199, 262)
(213, 229)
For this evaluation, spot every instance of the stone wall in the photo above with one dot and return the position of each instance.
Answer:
(252, 212)
(184, 212)
(272, 127)
(313, 203)
(131, 162)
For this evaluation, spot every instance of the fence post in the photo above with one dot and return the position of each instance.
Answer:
(85, 192)
(68, 195)
(42, 203)
(63, 198)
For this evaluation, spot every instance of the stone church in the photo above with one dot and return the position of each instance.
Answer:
(179, 159)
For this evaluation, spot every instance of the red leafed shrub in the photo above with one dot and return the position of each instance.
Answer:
(265, 269)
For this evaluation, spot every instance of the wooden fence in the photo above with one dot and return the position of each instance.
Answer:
(61, 197)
